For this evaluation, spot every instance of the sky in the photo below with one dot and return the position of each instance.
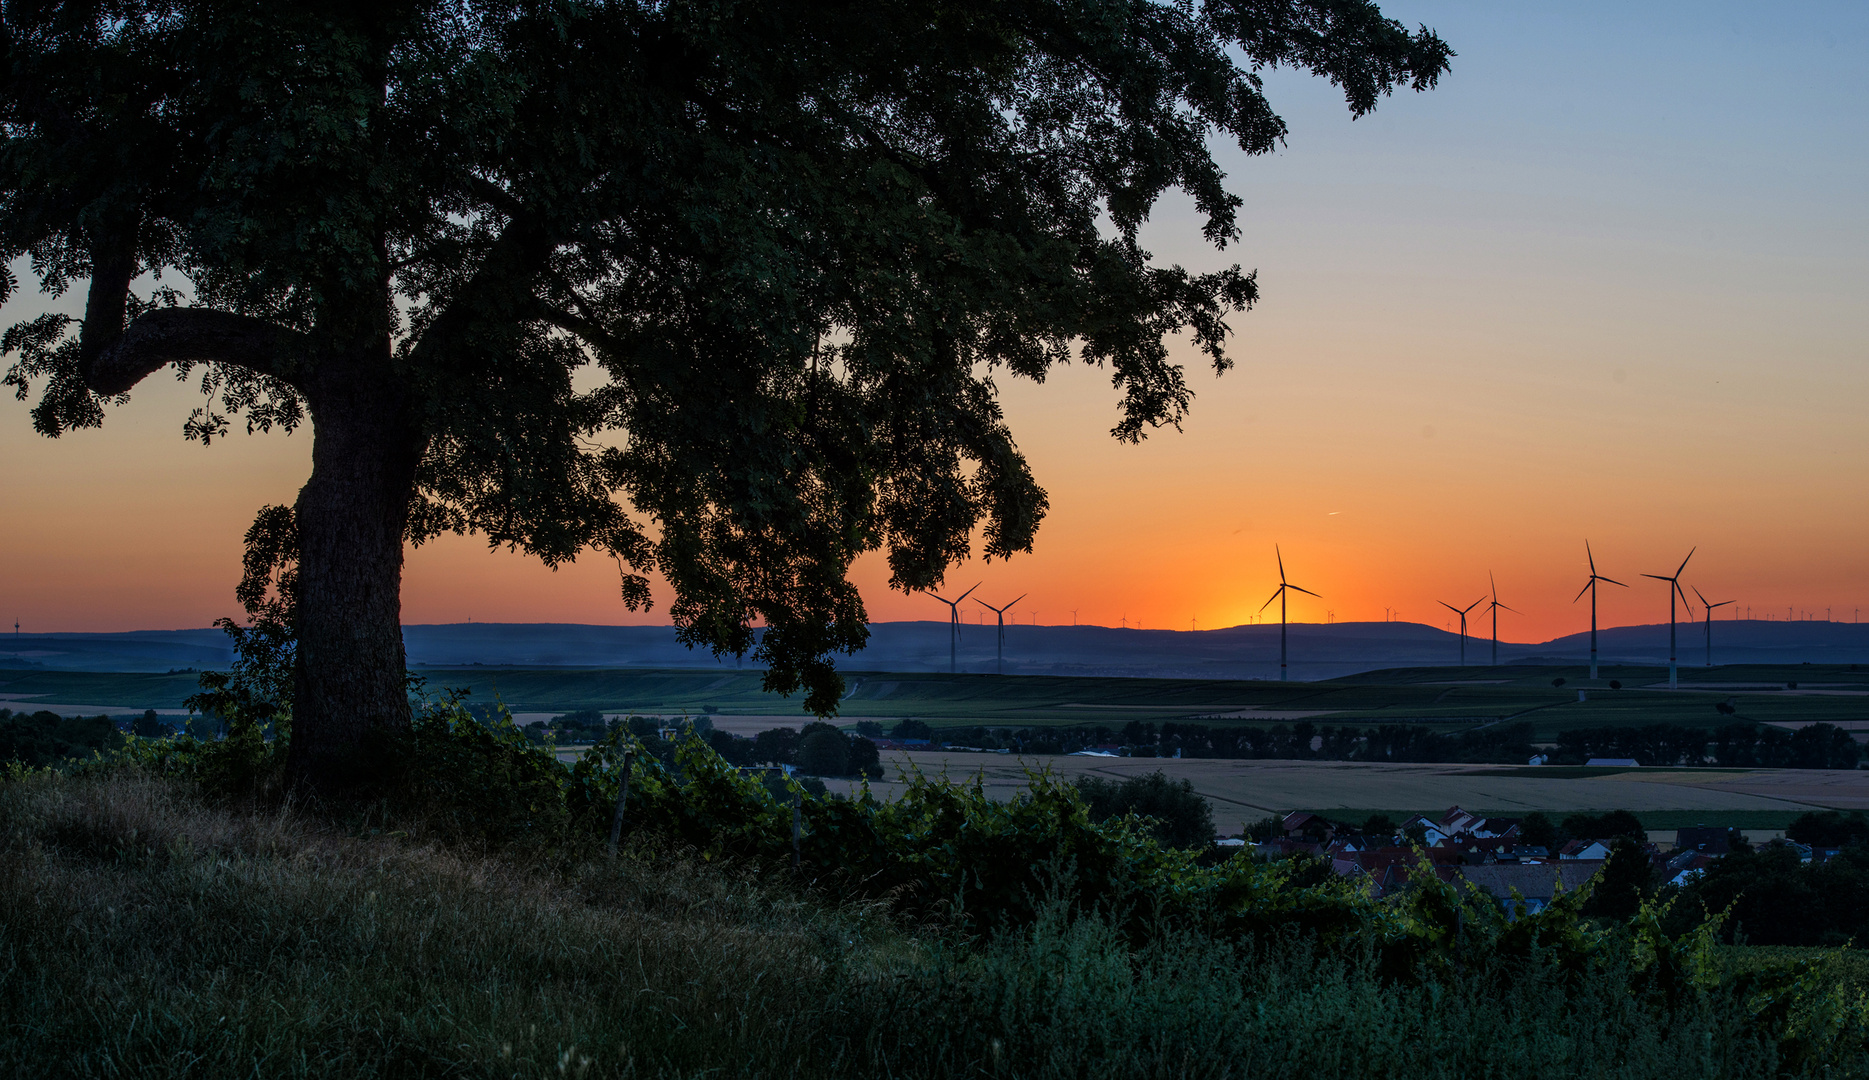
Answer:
(1607, 282)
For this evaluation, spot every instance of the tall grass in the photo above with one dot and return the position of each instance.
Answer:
(146, 933)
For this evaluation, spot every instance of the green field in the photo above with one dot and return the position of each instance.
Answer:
(1443, 698)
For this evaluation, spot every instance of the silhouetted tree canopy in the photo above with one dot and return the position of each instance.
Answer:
(1182, 817)
(825, 752)
(720, 291)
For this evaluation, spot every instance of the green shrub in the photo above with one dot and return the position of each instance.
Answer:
(1829, 828)
(1177, 815)
(865, 759)
(43, 739)
(824, 753)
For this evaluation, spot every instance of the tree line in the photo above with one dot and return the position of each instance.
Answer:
(819, 749)
(1736, 745)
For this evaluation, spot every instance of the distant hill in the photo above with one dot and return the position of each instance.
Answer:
(1318, 651)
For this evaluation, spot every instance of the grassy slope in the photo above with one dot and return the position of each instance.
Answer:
(147, 934)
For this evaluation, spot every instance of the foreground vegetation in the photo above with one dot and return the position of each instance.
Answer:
(149, 932)
(166, 913)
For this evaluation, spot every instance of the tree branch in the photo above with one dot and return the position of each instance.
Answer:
(113, 265)
(592, 334)
(193, 335)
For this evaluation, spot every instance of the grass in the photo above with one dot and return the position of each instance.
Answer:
(148, 933)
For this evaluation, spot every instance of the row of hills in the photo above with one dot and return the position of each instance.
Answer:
(1318, 650)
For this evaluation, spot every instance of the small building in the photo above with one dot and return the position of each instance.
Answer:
(1300, 825)
(1585, 850)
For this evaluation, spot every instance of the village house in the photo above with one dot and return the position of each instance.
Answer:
(1532, 884)
(1586, 850)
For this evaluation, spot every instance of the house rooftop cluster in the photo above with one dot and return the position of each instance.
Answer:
(1488, 852)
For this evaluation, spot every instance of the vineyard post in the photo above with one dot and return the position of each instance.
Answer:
(797, 800)
(616, 820)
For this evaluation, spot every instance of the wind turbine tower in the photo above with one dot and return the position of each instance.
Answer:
(1495, 607)
(1279, 595)
(1674, 589)
(1709, 608)
(999, 664)
(1462, 612)
(953, 641)
(1590, 587)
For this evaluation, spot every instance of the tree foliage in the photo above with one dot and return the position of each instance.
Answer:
(720, 292)
(43, 738)
(1176, 815)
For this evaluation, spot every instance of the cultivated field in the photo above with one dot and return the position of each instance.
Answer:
(1243, 791)
(1442, 698)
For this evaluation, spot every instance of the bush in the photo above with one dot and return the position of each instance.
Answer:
(824, 753)
(776, 746)
(1829, 829)
(1178, 816)
(45, 738)
(911, 728)
(1773, 898)
(1627, 881)
(1614, 825)
(865, 759)
(1537, 830)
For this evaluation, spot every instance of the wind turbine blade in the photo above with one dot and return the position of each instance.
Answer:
(1475, 604)
(943, 599)
(1690, 554)
(1513, 610)
(1274, 596)
(1494, 582)
(1658, 577)
(1449, 606)
(1612, 581)
(1703, 599)
(1021, 597)
(1722, 603)
(1307, 592)
(1684, 600)
(1281, 563)
(1585, 589)
(969, 592)
(984, 604)
(1588, 554)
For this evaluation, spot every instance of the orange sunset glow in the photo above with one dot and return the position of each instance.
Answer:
(1531, 307)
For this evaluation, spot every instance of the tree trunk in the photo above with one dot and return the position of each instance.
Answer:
(350, 697)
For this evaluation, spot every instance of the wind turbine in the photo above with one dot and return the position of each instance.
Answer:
(1590, 587)
(999, 665)
(1674, 588)
(1709, 607)
(953, 611)
(1462, 612)
(1494, 608)
(1279, 595)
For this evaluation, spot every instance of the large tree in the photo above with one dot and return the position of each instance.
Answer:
(717, 289)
